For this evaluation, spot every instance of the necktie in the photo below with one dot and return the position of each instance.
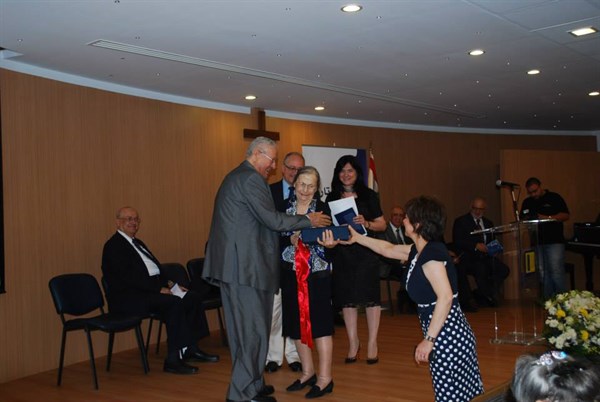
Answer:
(399, 237)
(480, 226)
(139, 245)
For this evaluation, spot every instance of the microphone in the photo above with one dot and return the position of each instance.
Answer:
(500, 183)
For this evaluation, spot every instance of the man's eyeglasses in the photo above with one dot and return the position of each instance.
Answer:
(295, 169)
(130, 219)
(268, 157)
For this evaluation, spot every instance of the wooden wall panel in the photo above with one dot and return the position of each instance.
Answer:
(574, 175)
(73, 155)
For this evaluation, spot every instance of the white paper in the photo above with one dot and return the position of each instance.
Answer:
(177, 291)
(342, 206)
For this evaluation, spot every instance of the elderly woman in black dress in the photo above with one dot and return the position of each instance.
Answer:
(356, 269)
(306, 291)
(448, 342)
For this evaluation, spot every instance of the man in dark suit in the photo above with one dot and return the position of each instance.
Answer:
(395, 269)
(488, 270)
(137, 286)
(243, 259)
(278, 345)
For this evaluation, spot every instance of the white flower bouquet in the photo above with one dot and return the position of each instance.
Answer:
(573, 322)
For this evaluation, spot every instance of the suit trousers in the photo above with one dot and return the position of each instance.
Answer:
(248, 312)
(185, 319)
(279, 345)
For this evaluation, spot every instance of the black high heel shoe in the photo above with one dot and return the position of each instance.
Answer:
(353, 359)
(316, 392)
(374, 360)
(297, 385)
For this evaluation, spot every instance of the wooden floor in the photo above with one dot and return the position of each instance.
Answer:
(396, 378)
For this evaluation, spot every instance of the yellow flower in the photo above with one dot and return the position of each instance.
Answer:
(584, 335)
(560, 313)
(584, 313)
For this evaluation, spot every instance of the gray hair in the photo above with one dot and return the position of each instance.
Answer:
(260, 143)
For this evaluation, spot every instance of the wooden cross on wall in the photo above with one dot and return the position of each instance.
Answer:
(261, 132)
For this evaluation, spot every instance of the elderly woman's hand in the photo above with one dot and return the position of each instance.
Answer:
(328, 240)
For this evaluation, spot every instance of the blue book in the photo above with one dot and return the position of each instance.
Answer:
(310, 235)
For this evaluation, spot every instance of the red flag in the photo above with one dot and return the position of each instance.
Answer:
(372, 180)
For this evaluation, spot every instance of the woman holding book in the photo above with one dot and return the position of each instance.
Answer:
(356, 273)
(306, 290)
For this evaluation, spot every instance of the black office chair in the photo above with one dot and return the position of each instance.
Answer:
(79, 294)
(211, 294)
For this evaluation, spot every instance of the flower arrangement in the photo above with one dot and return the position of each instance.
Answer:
(573, 322)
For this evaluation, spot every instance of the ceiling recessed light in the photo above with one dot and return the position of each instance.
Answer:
(250, 97)
(476, 52)
(594, 93)
(533, 72)
(351, 8)
(583, 31)
(319, 108)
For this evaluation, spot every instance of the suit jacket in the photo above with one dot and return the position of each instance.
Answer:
(387, 264)
(126, 274)
(464, 241)
(277, 194)
(243, 244)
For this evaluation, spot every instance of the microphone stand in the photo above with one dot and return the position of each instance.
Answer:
(514, 202)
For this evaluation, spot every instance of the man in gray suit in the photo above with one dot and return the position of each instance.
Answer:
(242, 258)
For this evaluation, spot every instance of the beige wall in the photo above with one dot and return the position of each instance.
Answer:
(73, 155)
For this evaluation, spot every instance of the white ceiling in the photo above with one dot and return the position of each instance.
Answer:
(395, 63)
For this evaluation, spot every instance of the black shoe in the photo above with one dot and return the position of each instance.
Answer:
(271, 367)
(200, 357)
(374, 360)
(316, 392)
(297, 385)
(259, 398)
(266, 390)
(179, 367)
(295, 366)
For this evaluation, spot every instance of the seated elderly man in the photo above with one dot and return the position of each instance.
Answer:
(137, 286)
(488, 270)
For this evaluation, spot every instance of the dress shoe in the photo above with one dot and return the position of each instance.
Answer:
(259, 398)
(297, 385)
(266, 390)
(295, 366)
(374, 360)
(200, 357)
(179, 367)
(353, 359)
(271, 367)
(316, 392)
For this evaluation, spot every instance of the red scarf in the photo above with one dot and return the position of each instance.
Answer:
(302, 271)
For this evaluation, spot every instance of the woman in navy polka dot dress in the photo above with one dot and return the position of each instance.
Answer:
(448, 342)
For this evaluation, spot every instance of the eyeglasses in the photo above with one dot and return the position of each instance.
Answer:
(304, 186)
(130, 219)
(295, 169)
(268, 157)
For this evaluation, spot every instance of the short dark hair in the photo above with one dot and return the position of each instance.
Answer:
(548, 378)
(531, 181)
(428, 217)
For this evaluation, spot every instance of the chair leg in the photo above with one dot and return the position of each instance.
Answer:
(62, 356)
(389, 291)
(222, 328)
(111, 342)
(92, 362)
(149, 333)
(160, 325)
(143, 353)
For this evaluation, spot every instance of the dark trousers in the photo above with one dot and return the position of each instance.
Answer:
(185, 319)
(489, 273)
